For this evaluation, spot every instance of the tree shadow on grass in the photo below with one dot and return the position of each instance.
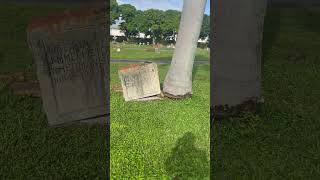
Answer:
(186, 160)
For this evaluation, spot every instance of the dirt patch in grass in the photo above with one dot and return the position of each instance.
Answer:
(21, 83)
(116, 88)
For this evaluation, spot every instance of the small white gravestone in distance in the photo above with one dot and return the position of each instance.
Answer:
(140, 81)
(157, 50)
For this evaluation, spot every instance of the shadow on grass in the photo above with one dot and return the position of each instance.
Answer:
(186, 160)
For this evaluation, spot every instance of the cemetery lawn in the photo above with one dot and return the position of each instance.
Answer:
(283, 140)
(29, 149)
(161, 139)
(144, 52)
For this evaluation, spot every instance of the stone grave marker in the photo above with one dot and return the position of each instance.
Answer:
(156, 48)
(140, 81)
(71, 57)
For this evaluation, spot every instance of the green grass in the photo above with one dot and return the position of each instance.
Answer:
(164, 138)
(14, 52)
(282, 141)
(29, 148)
(144, 52)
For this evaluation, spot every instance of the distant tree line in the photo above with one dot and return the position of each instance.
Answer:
(160, 25)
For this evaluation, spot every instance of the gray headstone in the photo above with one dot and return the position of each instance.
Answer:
(139, 81)
(71, 57)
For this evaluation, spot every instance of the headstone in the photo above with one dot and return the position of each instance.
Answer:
(157, 50)
(71, 57)
(139, 81)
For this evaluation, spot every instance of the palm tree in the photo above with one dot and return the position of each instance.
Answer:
(178, 81)
(236, 58)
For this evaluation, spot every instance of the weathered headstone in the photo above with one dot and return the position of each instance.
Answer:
(139, 81)
(71, 57)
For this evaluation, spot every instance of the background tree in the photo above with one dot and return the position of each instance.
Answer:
(114, 11)
(160, 25)
(139, 23)
(205, 29)
(153, 21)
(170, 26)
(128, 13)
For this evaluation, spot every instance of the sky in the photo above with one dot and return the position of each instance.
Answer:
(159, 4)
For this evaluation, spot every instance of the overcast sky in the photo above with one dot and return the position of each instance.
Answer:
(159, 4)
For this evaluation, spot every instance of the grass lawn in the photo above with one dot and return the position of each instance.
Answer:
(144, 52)
(14, 52)
(164, 138)
(29, 149)
(282, 142)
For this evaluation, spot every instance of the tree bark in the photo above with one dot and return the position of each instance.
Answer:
(178, 81)
(236, 57)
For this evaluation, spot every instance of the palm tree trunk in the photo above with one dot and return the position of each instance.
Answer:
(236, 58)
(178, 82)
